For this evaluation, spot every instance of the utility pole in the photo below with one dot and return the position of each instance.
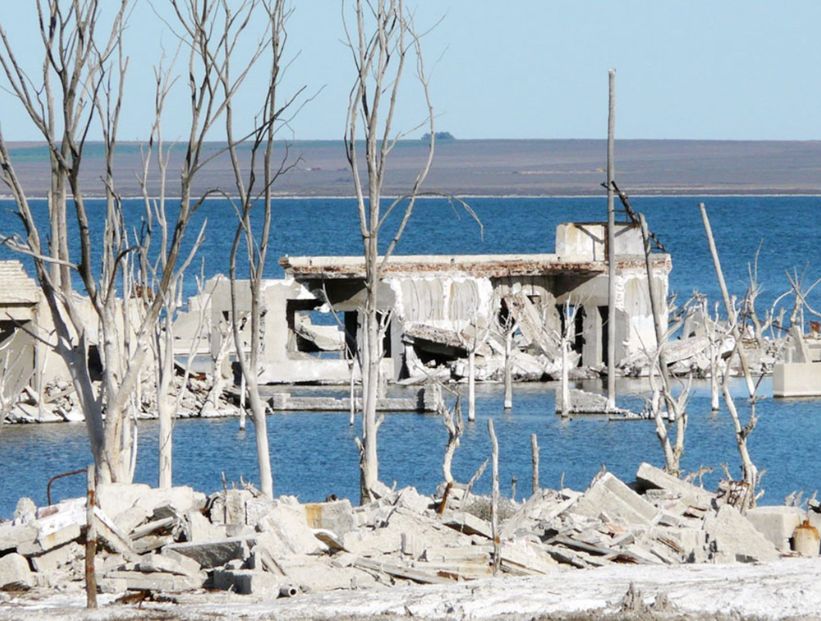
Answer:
(611, 245)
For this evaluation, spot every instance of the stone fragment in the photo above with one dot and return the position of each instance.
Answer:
(247, 582)
(468, 524)
(168, 583)
(14, 535)
(198, 529)
(336, 516)
(610, 496)
(57, 557)
(650, 477)
(288, 521)
(215, 553)
(25, 512)
(15, 574)
(731, 538)
(776, 523)
(165, 563)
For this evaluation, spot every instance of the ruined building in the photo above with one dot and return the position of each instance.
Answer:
(437, 308)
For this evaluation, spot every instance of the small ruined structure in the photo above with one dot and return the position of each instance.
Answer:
(439, 308)
(799, 375)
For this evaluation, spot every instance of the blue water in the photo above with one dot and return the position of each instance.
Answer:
(314, 454)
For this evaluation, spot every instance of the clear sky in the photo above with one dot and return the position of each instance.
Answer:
(723, 69)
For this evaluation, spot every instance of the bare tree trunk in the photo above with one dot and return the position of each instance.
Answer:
(508, 370)
(727, 303)
(242, 401)
(494, 497)
(455, 426)
(749, 470)
(565, 383)
(534, 452)
(472, 385)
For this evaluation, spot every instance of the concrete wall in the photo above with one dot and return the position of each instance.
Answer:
(588, 241)
(797, 379)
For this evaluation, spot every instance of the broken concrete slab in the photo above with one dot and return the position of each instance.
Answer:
(167, 583)
(336, 516)
(609, 495)
(15, 573)
(776, 523)
(199, 529)
(468, 524)
(288, 520)
(215, 553)
(57, 557)
(247, 582)
(650, 477)
(14, 535)
(164, 563)
(731, 537)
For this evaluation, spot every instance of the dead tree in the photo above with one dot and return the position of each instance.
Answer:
(381, 40)
(737, 334)
(677, 407)
(80, 69)
(452, 419)
(253, 192)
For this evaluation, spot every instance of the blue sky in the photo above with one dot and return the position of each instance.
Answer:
(721, 69)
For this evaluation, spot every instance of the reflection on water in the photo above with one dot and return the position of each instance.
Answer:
(313, 454)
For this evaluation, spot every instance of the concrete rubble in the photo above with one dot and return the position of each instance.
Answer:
(178, 540)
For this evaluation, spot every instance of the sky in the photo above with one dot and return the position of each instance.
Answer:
(686, 69)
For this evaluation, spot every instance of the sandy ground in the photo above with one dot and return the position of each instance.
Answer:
(786, 589)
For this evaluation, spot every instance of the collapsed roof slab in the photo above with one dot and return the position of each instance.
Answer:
(488, 266)
(479, 265)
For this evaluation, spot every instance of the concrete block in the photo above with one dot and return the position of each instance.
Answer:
(25, 512)
(215, 553)
(47, 540)
(200, 530)
(169, 583)
(15, 573)
(468, 524)
(247, 582)
(179, 565)
(731, 537)
(336, 516)
(650, 477)
(288, 521)
(56, 558)
(190, 565)
(610, 496)
(776, 523)
(14, 535)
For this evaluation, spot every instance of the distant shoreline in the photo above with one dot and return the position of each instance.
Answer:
(297, 197)
(499, 168)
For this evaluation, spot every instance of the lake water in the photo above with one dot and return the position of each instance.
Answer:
(314, 454)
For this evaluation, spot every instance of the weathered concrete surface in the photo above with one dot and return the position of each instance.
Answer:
(15, 572)
(777, 524)
(733, 538)
(649, 477)
(610, 496)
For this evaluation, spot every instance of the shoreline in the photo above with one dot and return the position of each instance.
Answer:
(506, 196)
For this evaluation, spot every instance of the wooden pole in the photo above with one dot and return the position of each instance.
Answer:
(91, 541)
(494, 497)
(726, 295)
(534, 450)
(611, 244)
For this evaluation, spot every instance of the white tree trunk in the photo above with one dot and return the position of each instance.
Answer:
(508, 370)
(565, 384)
(472, 385)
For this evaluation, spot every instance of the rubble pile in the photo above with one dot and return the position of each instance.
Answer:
(59, 403)
(178, 540)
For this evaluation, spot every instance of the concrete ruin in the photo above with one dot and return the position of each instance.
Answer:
(799, 375)
(439, 307)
